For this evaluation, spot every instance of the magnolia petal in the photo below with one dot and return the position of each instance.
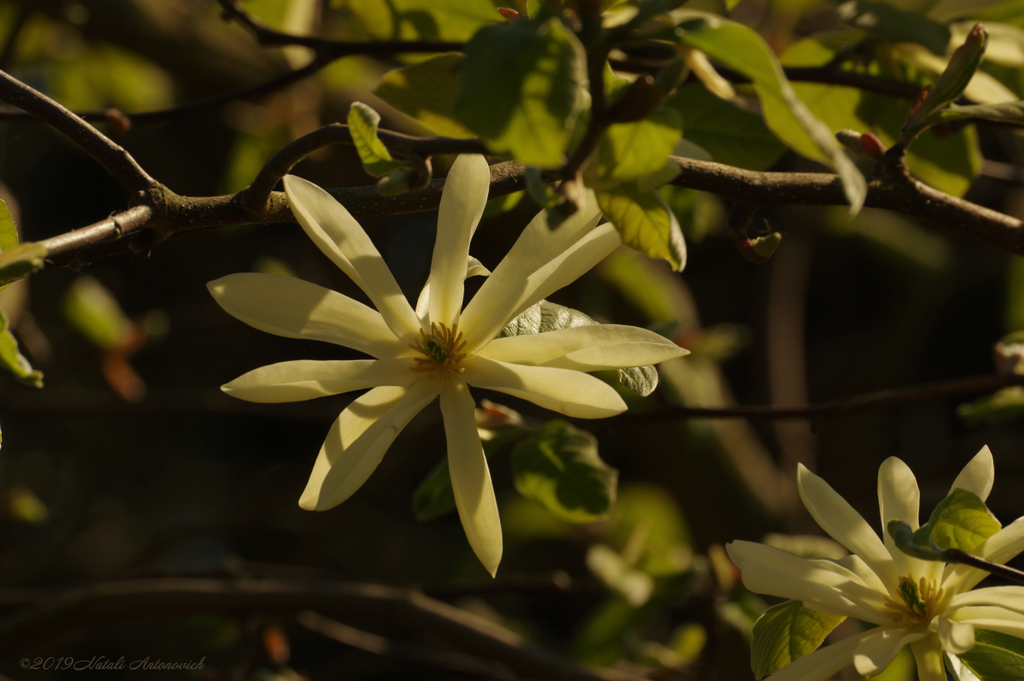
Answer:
(306, 379)
(499, 301)
(358, 440)
(900, 499)
(863, 571)
(471, 479)
(568, 392)
(586, 348)
(875, 653)
(823, 662)
(928, 656)
(474, 268)
(978, 475)
(290, 307)
(1008, 597)
(462, 204)
(1010, 627)
(333, 229)
(822, 585)
(975, 613)
(845, 525)
(956, 637)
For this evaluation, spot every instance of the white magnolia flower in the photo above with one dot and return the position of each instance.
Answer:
(438, 349)
(924, 604)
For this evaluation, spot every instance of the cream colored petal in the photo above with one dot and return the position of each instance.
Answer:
(568, 392)
(821, 585)
(344, 241)
(876, 652)
(471, 479)
(290, 307)
(462, 204)
(899, 499)
(956, 637)
(585, 348)
(474, 268)
(307, 379)
(823, 662)
(845, 525)
(928, 656)
(1009, 597)
(863, 571)
(358, 440)
(978, 475)
(498, 301)
(1010, 627)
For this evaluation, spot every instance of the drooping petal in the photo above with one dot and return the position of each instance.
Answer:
(344, 241)
(834, 515)
(306, 379)
(585, 348)
(928, 656)
(956, 637)
(823, 662)
(568, 392)
(499, 300)
(821, 585)
(876, 652)
(462, 204)
(290, 307)
(978, 475)
(358, 440)
(900, 499)
(471, 478)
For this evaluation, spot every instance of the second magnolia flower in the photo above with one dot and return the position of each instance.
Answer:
(439, 348)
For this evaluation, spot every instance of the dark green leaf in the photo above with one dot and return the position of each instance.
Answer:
(362, 123)
(559, 468)
(995, 657)
(999, 407)
(12, 360)
(786, 632)
(895, 25)
(425, 91)
(645, 223)
(8, 232)
(522, 89)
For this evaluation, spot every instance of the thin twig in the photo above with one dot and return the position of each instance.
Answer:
(372, 603)
(1004, 571)
(116, 160)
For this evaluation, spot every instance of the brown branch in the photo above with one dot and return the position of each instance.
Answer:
(822, 411)
(116, 160)
(371, 603)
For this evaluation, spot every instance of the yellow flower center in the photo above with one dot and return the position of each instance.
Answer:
(919, 601)
(441, 350)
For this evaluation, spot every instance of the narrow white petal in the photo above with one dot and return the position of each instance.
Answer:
(290, 307)
(956, 637)
(474, 268)
(344, 241)
(358, 440)
(471, 479)
(1009, 597)
(863, 571)
(1010, 627)
(586, 348)
(845, 525)
(462, 204)
(978, 475)
(823, 662)
(928, 656)
(568, 392)
(501, 299)
(306, 379)
(822, 585)
(876, 652)
(900, 499)
(975, 613)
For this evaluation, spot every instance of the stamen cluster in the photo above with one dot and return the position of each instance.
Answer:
(919, 601)
(441, 350)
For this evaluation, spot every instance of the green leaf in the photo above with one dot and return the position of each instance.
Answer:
(641, 380)
(20, 261)
(559, 468)
(895, 25)
(1004, 112)
(425, 91)
(730, 134)
(362, 123)
(522, 89)
(994, 657)
(12, 360)
(960, 521)
(450, 20)
(786, 632)
(619, 575)
(8, 231)
(630, 151)
(742, 49)
(645, 223)
(94, 311)
(999, 407)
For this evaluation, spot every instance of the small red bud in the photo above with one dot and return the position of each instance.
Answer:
(872, 146)
(509, 13)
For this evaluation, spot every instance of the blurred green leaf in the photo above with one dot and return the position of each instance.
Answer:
(895, 25)
(248, 154)
(999, 407)
(376, 159)
(559, 467)
(619, 575)
(20, 261)
(13, 361)
(8, 230)
(1004, 112)
(699, 214)
(896, 240)
(522, 89)
(1013, 314)
(786, 632)
(94, 311)
(450, 20)
(994, 657)
(426, 91)
(25, 506)
(645, 223)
